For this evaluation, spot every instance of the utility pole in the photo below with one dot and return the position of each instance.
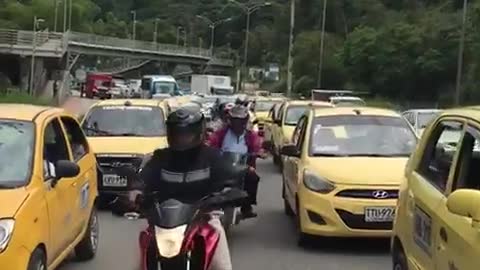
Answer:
(178, 34)
(322, 43)
(70, 15)
(155, 32)
(36, 21)
(134, 30)
(65, 3)
(213, 25)
(248, 8)
(290, 49)
(57, 2)
(458, 85)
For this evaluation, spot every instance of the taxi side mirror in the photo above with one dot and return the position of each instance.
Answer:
(290, 150)
(465, 203)
(65, 169)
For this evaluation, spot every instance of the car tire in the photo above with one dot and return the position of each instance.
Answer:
(399, 260)
(37, 260)
(87, 248)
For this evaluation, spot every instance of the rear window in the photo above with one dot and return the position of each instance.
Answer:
(137, 121)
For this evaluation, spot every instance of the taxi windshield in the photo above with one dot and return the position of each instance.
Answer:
(164, 87)
(16, 151)
(346, 135)
(137, 121)
(264, 106)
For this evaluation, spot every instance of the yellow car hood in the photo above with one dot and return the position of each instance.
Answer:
(360, 170)
(288, 132)
(11, 200)
(126, 145)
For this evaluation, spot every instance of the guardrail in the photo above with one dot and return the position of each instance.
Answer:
(23, 40)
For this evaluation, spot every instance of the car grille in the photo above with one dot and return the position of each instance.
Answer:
(368, 193)
(358, 222)
(112, 163)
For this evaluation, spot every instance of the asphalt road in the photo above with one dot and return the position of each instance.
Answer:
(265, 243)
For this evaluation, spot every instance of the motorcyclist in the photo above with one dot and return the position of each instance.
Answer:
(222, 119)
(187, 157)
(235, 137)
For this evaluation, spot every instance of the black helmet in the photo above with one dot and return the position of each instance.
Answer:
(185, 128)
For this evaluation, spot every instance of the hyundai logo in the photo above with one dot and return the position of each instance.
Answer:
(380, 194)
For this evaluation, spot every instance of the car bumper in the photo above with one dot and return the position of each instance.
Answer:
(328, 215)
(15, 257)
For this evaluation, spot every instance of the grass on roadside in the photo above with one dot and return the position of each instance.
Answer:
(23, 98)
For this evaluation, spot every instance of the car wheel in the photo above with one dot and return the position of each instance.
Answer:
(399, 260)
(87, 248)
(37, 260)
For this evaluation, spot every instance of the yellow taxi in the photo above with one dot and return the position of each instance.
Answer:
(289, 113)
(438, 213)
(123, 132)
(48, 188)
(343, 170)
(263, 106)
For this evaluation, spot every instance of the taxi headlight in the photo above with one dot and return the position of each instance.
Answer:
(6, 230)
(317, 183)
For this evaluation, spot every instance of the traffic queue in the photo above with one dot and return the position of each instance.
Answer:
(346, 171)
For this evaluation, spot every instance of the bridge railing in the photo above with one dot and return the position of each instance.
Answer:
(20, 39)
(136, 45)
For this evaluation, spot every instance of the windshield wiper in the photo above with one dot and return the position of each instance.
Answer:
(98, 131)
(328, 155)
(380, 155)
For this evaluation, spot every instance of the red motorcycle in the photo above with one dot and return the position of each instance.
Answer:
(179, 235)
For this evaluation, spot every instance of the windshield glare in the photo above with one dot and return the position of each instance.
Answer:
(16, 150)
(264, 106)
(361, 136)
(164, 87)
(143, 121)
(425, 118)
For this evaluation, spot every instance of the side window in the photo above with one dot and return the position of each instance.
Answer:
(297, 132)
(439, 153)
(280, 112)
(76, 139)
(54, 148)
(303, 130)
(467, 174)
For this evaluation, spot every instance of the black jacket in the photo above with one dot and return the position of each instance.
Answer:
(187, 176)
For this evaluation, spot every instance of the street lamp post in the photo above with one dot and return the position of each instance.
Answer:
(248, 8)
(213, 25)
(65, 3)
(458, 84)
(70, 7)
(36, 21)
(290, 49)
(178, 35)
(57, 3)
(322, 42)
(134, 30)
(155, 33)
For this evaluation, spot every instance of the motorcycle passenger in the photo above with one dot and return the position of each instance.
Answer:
(222, 119)
(186, 156)
(235, 137)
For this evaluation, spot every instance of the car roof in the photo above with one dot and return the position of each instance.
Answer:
(134, 102)
(423, 110)
(309, 102)
(355, 110)
(24, 112)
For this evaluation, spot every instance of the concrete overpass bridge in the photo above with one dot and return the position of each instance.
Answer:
(55, 54)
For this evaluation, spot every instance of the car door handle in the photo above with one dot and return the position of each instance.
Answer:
(443, 235)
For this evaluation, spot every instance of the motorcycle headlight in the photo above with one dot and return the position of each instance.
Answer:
(169, 241)
(317, 183)
(6, 230)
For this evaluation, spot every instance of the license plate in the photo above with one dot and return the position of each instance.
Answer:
(379, 214)
(113, 180)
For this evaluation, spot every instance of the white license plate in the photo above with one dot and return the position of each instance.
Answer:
(113, 180)
(379, 214)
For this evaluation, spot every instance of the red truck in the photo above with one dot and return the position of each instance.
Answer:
(99, 85)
